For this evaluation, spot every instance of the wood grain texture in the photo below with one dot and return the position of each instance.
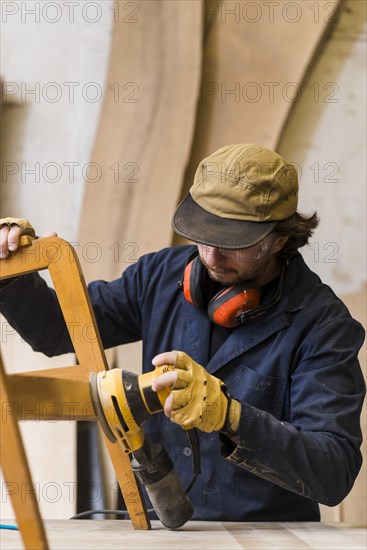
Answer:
(254, 63)
(16, 472)
(95, 535)
(39, 397)
(144, 135)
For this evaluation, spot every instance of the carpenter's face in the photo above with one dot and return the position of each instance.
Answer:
(230, 267)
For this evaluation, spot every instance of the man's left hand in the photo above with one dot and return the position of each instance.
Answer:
(197, 399)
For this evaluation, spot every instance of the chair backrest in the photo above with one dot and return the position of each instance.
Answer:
(63, 385)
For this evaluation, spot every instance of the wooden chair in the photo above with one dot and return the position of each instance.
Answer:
(60, 386)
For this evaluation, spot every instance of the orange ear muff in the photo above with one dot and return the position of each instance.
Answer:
(194, 284)
(227, 305)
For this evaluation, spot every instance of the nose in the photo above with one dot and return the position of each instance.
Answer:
(212, 256)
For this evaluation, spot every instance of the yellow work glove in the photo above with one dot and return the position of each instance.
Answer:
(25, 226)
(199, 400)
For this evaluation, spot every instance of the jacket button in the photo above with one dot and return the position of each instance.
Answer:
(210, 487)
(187, 451)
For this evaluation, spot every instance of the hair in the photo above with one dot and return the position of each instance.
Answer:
(299, 228)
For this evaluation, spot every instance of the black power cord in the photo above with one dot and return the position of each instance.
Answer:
(195, 448)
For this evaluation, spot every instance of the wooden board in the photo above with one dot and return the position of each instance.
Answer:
(144, 135)
(93, 535)
(255, 59)
(143, 140)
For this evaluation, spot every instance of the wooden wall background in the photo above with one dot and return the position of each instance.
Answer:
(188, 76)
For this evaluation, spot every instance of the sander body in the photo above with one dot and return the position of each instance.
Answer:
(123, 402)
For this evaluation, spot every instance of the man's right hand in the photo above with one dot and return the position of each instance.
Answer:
(11, 229)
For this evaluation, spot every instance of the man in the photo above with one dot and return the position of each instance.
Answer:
(265, 355)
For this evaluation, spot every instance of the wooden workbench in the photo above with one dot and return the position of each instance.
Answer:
(106, 535)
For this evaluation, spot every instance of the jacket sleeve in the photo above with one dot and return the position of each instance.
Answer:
(316, 453)
(33, 310)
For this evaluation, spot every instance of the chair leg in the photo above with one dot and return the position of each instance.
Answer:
(16, 472)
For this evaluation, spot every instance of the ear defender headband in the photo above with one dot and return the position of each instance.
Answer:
(231, 306)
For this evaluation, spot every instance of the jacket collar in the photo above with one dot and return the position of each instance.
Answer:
(253, 331)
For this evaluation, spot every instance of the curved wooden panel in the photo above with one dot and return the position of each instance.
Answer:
(145, 133)
(255, 59)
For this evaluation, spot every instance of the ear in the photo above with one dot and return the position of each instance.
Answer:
(278, 244)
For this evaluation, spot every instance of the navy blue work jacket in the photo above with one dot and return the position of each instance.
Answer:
(294, 369)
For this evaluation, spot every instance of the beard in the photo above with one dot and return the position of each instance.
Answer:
(231, 276)
(226, 277)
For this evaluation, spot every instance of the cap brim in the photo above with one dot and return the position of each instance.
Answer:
(196, 224)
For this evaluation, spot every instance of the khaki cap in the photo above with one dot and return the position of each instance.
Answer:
(239, 194)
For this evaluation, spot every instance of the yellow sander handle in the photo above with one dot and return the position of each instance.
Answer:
(124, 401)
(150, 397)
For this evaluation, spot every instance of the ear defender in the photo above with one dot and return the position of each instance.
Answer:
(194, 283)
(227, 307)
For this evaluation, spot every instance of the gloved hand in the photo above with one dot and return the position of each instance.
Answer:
(11, 229)
(197, 399)
(25, 226)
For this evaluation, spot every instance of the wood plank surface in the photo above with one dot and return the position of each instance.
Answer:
(106, 535)
(144, 135)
